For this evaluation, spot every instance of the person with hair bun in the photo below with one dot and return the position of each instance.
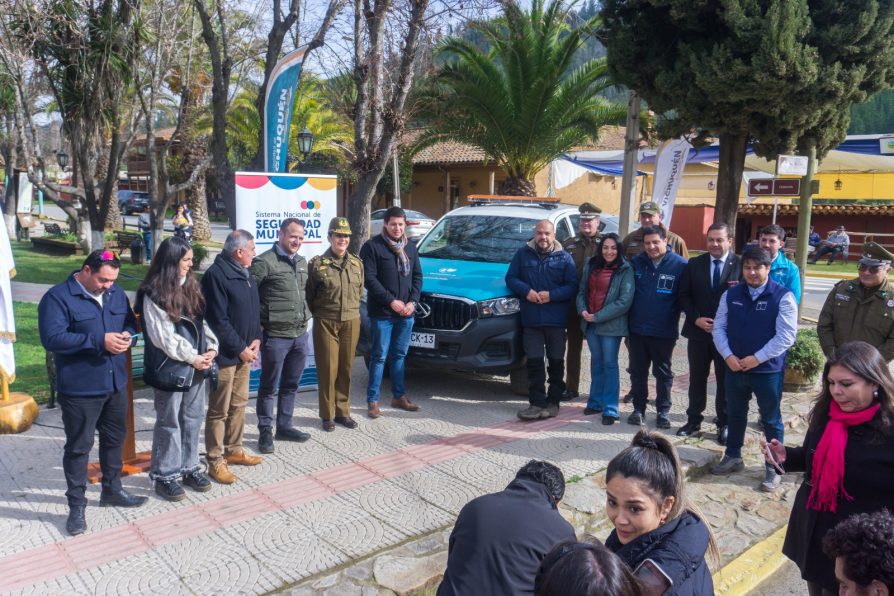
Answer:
(584, 569)
(847, 458)
(658, 533)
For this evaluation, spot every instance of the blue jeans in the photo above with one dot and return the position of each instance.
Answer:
(390, 338)
(605, 382)
(282, 361)
(147, 240)
(175, 439)
(767, 389)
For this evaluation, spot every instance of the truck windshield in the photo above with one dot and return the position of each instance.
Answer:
(482, 238)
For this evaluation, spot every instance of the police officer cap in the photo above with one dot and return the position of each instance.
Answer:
(875, 254)
(339, 225)
(589, 211)
(650, 207)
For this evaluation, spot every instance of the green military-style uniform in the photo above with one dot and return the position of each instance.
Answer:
(853, 312)
(633, 243)
(334, 288)
(581, 248)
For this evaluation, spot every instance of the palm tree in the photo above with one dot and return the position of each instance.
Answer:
(520, 100)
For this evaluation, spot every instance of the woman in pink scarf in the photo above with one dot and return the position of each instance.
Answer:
(847, 458)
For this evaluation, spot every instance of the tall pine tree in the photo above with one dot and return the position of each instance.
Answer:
(777, 73)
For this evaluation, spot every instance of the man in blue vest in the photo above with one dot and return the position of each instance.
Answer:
(654, 321)
(754, 326)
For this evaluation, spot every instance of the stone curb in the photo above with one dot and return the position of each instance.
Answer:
(831, 275)
(754, 566)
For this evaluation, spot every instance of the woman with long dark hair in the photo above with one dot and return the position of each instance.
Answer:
(604, 297)
(658, 532)
(172, 307)
(847, 458)
(584, 569)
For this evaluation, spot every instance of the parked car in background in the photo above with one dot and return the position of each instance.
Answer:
(132, 201)
(418, 223)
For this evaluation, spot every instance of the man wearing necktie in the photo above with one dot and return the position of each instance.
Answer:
(704, 280)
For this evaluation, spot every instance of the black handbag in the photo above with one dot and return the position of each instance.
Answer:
(166, 374)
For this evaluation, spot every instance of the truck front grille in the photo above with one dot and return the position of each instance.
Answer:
(447, 314)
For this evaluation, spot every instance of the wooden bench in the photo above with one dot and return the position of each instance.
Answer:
(123, 240)
(53, 229)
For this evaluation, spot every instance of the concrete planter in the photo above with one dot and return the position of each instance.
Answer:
(56, 247)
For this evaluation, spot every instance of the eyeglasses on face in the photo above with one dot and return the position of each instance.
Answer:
(870, 268)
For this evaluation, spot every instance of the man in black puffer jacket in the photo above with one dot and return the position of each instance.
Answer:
(233, 313)
(499, 539)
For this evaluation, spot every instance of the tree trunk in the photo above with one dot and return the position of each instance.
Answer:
(11, 158)
(196, 195)
(518, 187)
(358, 207)
(729, 177)
(113, 215)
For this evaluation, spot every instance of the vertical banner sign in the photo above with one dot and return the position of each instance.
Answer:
(7, 318)
(263, 200)
(669, 164)
(278, 109)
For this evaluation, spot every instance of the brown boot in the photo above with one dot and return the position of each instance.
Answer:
(243, 458)
(220, 473)
(372, 409)
(403, 403)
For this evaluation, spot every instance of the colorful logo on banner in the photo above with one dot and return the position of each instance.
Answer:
(278, 109)
(264, 200)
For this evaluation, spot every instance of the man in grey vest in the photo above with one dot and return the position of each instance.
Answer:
(281, 274)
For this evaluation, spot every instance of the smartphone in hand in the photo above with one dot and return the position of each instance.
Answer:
(771, 457)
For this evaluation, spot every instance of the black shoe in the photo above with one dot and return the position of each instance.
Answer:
(122, 498)
(197, 481)
(609, 420)
(722, 434)
(569, 395)
(591, 411)
(690, 429)
(636, 418)
(170, 490)
(346, 421)
(627, 398)
(291, 434)
(265, 440)
(76, 524)
(662, 421)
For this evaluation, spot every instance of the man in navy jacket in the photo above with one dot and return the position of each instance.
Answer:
(233, 311)
(654, 322)
(499, 539)
(544, 278)
(87, 324)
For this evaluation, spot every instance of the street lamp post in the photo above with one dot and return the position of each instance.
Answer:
(62, 159)
(305, 143)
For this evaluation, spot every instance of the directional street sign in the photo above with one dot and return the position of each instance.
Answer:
(759, 187)
(774, 187)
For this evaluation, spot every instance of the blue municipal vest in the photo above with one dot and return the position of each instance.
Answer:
(750, 324)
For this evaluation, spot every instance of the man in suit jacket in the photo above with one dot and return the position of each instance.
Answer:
(704, 280)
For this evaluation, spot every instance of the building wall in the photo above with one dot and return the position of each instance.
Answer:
(429, 183)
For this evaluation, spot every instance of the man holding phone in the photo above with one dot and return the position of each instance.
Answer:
(87, 324)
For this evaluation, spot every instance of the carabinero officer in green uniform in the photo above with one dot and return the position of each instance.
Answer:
(334, 286)
(862, 308)
(582, 248)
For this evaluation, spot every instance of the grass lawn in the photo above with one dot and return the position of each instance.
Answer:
(37, 267)
(849, 268)
(31, 367)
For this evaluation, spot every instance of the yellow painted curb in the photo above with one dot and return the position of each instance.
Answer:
(832, 275)
(744, 573)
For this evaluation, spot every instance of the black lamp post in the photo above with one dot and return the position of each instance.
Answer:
(305, 143)
(62, 159)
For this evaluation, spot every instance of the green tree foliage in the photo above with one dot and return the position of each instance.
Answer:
(779, 73)
(522, 101)
(874, 116)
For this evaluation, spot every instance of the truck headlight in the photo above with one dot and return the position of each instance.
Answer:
(498, 307)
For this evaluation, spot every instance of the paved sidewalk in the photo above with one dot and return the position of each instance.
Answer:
(328, 511)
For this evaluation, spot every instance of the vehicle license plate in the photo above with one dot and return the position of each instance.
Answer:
(422, 340)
